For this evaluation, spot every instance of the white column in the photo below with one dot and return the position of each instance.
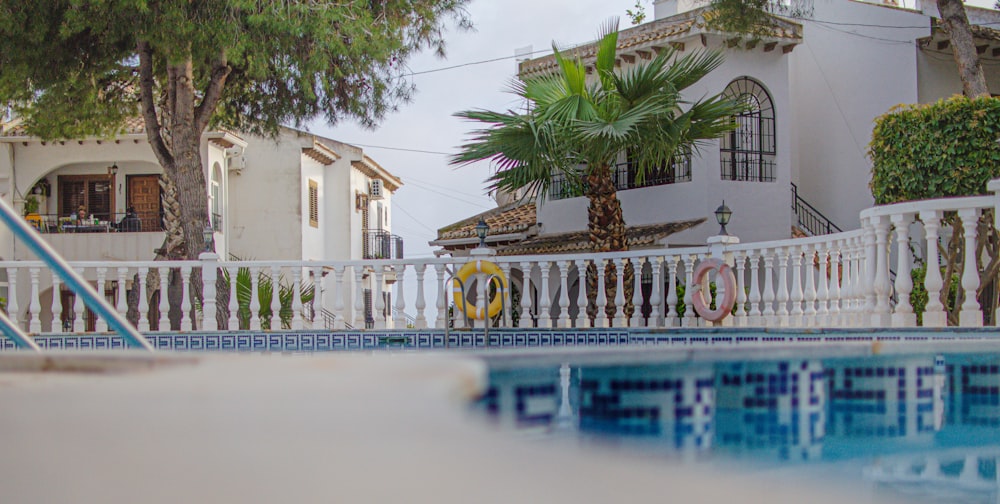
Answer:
(101, 325)
(810, 296)
(636, 320)
(754, 316)
(769, 315)
(525, 317)
(741, 293)
(358, 320)
(275, 299)
(655, 298)
(163, 324)
(399, 318)
(508, 306)
(934, 314)
(379, 301)
(441, 304)
(671, 319)
(868, 269)
(823, 293)
(339, 321)
(970, 314)
(121, 303)
(233, 324)
(689, 319)
(903, 315)
(209, 273)
(297, 323)
(185, 298)
(602, 298)
(544, 299)
(34, 307)
(620, 320)
(318, 306)
(420, 304)
(254, 298)
(582, 320)
(782, 296)
(57, 305)
(882, 285)
(797, 296)
(563, 268)
(833, 320)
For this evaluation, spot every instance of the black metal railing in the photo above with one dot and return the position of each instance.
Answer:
(380, 244)
(98, 222)
(217, 222)
(625, 176)
(810, 219)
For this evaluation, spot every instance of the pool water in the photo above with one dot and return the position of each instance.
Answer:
(925, 427)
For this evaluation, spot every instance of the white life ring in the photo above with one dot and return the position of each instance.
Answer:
(723, 306)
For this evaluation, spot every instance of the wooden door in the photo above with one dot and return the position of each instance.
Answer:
(144, 196)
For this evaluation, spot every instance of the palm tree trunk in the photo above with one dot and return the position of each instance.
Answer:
(606, 226)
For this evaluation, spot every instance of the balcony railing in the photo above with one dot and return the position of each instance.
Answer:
(624, 176)
(380, 244)
(97, 223)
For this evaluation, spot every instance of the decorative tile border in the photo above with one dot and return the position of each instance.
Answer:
(311, 341)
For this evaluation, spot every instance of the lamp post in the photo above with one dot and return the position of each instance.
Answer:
(722, 216)
(482, 228)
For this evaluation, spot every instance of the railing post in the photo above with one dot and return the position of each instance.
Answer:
(582, 320)
(420, 304)
(637, 266)
(209, 274)
(797, 297)
(620, 320)
(101, 325)
(671, 318)
(297, 323)
(689, 319)
(34, 307)
(970, 314)
(399, 318)
(379, 301)
(233, 324)
(544, 302)
(563, 266)
(881, 283)
(358, 320)
(186, 294)
(601, 320)
(782, 294)
(754, 315)
(903, 315)
(655, 293)
(934, 313)
(740, 316)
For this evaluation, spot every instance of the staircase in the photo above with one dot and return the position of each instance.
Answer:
(810, 220)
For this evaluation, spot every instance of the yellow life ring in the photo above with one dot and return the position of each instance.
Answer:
(468, 270)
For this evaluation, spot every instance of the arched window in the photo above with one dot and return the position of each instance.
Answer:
(748, 151)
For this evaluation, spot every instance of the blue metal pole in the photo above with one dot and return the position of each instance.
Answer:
(10, 329)
(70, 277)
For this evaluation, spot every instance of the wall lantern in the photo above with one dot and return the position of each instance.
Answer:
(722, 215)
(113, 169)
(481, 229)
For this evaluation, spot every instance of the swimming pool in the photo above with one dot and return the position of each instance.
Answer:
(918, 423)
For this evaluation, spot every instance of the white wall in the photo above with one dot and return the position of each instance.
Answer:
(313, 246)
(841, 82)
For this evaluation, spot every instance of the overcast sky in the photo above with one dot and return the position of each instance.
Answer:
(436, 194)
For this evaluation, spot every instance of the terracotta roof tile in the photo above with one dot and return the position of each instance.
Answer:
(132, 126)
(501, 220)
(637, 237)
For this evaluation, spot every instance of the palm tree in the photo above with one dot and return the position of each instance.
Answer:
(575, 130)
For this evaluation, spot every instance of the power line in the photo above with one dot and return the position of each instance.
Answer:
(471, 63)
(452, 196)
(400, 149)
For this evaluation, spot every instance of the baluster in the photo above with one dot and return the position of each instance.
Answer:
(601, 320)
(795, 318)
(810, 295)
(420, 322)
(619, 318)
(754, 316)
(380, 307)
(508, 307)
(544, 303)
(34, 306)
(297, 323)
(970, 314)
(101, 325)
(338, 322)
(13, 309)
(868, 270)
(740, 317)
(782, 297)
(209, 275)
(79, 325)
(525, 319)
(655, 298)
(255, 322)
(770, 317)
(934, 314)
(833, 318)
(671, 317)
(706, 288)
(881, 285)
(317, 302)
(582, 320)
(689, 318)
(163, 324)
(399, 318)
(637, 265)
(185, 298)
(850, 291)
(275, 304)
(56, 304)
(823, 294)
(121, 302)
(563, 268)
(233, 324)
(903, 315)
(441, 304)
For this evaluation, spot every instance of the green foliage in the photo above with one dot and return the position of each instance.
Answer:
(919, 297)
(639, 14)
(754, 18)
(576, 125)
(31, 205)
(265, 296)
(946, 148)
(71, 66)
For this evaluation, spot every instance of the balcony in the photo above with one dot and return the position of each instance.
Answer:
(624, 176)
(122, 237)
(381, 244)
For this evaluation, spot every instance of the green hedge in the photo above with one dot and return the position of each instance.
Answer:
(947, 148)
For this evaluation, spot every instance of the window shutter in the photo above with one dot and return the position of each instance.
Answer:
(313, 203)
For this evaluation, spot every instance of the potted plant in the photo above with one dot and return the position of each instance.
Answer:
(31, 205)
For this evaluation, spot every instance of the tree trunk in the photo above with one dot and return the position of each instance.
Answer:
(956, 23)
(606, 227)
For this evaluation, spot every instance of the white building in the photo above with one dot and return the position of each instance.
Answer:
(818, 83)
(295, 197)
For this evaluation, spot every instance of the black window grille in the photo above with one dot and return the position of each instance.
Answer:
(748, 151)
(626, 177)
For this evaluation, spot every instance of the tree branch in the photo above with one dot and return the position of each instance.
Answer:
(146, 83)
(213, 93)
